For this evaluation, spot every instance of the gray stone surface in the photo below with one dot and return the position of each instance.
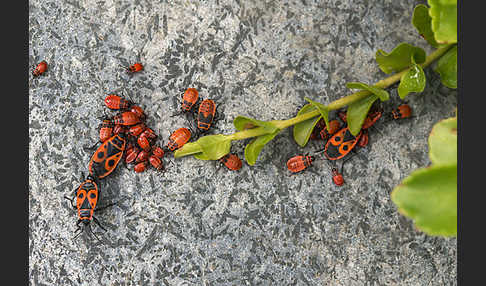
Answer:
(195, 224)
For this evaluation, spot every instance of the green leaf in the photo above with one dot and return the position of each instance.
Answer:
(443, 142)
(253, 149)
(357, 112)
(323, 110)
(303, 130)
(399, 58)
(202, 156)
(213, 146)
(423, 23)
(444, 20)
(381, 93)
(412, 81)
(447, 68)
(241, 123)
(188, 149)
(429, 197)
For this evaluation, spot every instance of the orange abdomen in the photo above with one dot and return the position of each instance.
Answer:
(178, 138)
(299, 163)
(189, 98)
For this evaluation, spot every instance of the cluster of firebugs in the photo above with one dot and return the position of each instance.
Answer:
(125, 137)
(340, 142)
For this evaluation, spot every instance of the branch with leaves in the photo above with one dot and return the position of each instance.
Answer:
(438, 26)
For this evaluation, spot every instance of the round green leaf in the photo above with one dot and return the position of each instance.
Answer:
(357, 113)
(412, 81)
(429, 197)
(447, 68)
(213, 146)
(423, 23)
(253, 149)
(444, 20)
(380, 92)
(399, 58)
(241, 123)
(443, 142)
(303, 130)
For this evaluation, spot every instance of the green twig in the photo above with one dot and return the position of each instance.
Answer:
(337, 104)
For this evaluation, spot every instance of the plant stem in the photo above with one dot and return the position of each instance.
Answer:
(337, 104)
(347, 100)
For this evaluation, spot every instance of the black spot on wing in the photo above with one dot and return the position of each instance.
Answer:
(332, 151)
(348, 136)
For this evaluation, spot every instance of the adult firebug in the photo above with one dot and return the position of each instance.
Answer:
(107, 156)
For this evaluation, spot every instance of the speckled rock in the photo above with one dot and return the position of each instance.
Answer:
(196, 223)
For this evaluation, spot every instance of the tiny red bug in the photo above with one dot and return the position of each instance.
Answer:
(143, 142)
(145, 139)
(342, 115)
(334, 127)
(126, 118)
(337, 177)
(131, 154)
(140, 167)
(137, 129)
(189, 98)
(119, 129)
(156, 162)
(231, 161)
(205, 115)
(142, 156)
(178, 138)
(40, 69)
(363, 140)
(106, 130)
(135, 68)
(113, 101)
(299, 163)
(158, 152)
(402, 111)
(138, 111)
(149, 133)
(371, 119)
(317, 129)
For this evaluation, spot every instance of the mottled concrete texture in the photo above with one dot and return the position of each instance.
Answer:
(193, 225)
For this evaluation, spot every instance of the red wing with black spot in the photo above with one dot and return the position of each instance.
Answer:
(340, 144)
(86, 199)
(107, 156)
